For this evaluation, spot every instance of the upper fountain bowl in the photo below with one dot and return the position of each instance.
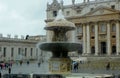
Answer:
(61, 23)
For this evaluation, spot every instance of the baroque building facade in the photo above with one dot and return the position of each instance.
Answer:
(97, 24)
(20, 48)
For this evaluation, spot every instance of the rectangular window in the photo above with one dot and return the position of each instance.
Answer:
(78, 11)
(68, 13)
(31, 51)
(103, 27)
(0, 49)
(92, 29)
(113, 28)
(36, 52)
(12, 52)
(79, 30)
(19, 51)
(113, 6)
(25, 51)
(54, 13)
(4, 52)
(91, 9)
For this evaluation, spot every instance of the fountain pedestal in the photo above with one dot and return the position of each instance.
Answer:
(60, 65)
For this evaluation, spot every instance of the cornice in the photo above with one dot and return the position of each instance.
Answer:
(94, 18)
(18, 41)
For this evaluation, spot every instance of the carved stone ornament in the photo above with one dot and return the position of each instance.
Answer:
(54, 6)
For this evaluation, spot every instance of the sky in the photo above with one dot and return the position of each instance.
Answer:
(24, 17)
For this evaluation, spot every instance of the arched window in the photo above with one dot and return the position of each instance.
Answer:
(113, 27)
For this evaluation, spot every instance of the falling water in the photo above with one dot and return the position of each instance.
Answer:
(60, 16)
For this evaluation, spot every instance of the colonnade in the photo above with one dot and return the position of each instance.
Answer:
(97, 40)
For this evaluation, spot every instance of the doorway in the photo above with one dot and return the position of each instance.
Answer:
(113, 49)
(93, 50)
(103, 48)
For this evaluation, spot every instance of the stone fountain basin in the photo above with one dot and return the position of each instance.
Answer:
(60, 46)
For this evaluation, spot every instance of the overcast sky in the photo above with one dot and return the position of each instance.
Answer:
(24, 17)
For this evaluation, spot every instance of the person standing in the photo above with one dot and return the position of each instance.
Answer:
(39, 64)
(0, 74)
(21, 62)
(108, 66)
(76, 67)
(28, 62)
(9, 70)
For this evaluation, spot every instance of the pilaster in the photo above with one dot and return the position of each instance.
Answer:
(118, 38)
(88, 39)
(84, 40)
(108, 39)
(96, 39)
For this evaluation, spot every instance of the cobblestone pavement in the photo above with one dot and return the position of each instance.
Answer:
(28, 69)
(43, 69)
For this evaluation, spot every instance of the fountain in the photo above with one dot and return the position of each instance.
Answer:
(60, 63)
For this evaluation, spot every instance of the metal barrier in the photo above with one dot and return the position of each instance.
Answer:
(32, 76)
(16, 76)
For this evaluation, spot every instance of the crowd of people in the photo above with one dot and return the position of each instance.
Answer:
(7, 66)
(75, 65)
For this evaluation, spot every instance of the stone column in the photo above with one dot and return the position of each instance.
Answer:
(88, 39)
(96, 39)
(108, 39)
(117, 37)
(84, 39)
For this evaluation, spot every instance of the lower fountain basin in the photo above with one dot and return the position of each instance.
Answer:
(60, 46)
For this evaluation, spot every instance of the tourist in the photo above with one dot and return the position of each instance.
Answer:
(21, 62)
(1, 66)
(108, 66)
(39, 64)
(28, 62)
(76, 67)
(9, 70)
(0, 74)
